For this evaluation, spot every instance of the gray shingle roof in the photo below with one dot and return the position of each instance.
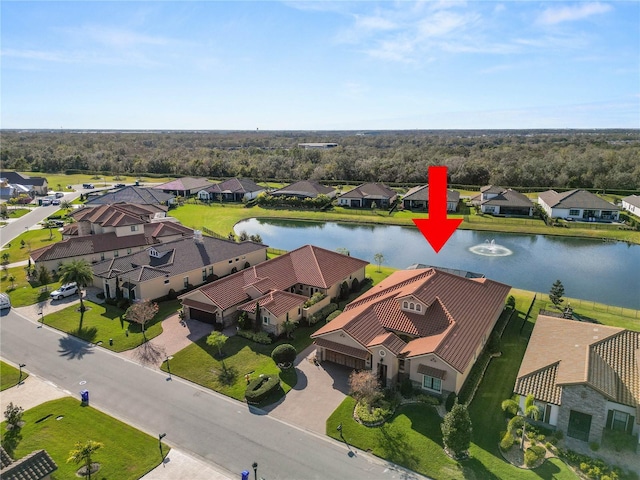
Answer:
(185, 183)
(235, 185)
(131, 194)
(15, 177)
(632, 200)
(35, 466)
(575, 199)
(421, 192)
(176, 257)
(509, 198)
(304, 188)
(370, 190)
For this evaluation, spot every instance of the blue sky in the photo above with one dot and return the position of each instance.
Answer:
(301, 65)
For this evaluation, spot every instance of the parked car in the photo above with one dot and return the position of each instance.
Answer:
(55, 202)
(59, 194)
(88, 186)
(5, 302)
(46, 203)
(119, 185)
(57, 223)
(65, 290)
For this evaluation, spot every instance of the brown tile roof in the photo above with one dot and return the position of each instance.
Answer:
(370, 190)
(421, 192)
(35, 466)
(431, 371)
(459, 311)
(564, 352)
(308, 265)
(575, 199)
(118, 214)
(185, 183)
(304, 188)
(277, 302)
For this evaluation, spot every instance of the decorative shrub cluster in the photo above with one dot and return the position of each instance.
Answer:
(260, 388)
(284, 354)
(323, 313)
(266, 200)
(315, 298)
(507, 442)
(595, 468)
(533, 455)
(333, 315)
(428, 399)
(258, 337)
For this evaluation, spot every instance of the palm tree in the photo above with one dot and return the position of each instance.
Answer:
(78, 271)
(66, 205)
(82, 454)
(530, 411)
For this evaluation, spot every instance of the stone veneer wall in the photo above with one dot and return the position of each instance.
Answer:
(586, 400)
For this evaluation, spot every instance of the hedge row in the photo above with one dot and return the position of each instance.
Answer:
(260, 388)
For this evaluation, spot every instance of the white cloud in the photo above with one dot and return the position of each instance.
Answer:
(554, 15)
(117, 37)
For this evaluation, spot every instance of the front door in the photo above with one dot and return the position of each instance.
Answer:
(108, 290)
(382, 375)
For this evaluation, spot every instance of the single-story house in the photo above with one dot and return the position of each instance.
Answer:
(425, 325)
(632, 204)
(304, 189)
(175, 265)
(417, 198)
(507, 202)
(367, 194)
(11, 190)
(38, 185)
(585, 377)
(38, 465)
(132, 194)
(577, 205)
(304, 271)
(185, 186)
(110, 231)
(275, 308)
(232, 190)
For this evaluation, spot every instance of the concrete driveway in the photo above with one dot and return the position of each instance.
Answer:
(319, 391)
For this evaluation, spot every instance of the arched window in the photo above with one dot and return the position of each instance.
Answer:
(418, 307)
(405, 304)
(412, 306)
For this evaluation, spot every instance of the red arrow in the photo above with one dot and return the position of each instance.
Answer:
(437, 228)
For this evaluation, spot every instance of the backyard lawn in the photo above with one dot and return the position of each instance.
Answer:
(24, 292)
(9, 376)
(57, 425)
(102, 322)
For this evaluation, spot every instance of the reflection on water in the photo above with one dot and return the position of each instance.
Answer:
(606, 272)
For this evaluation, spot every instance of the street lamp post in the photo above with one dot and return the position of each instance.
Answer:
(255, 470)
(21, 365)
(169, 357)
(160, 437)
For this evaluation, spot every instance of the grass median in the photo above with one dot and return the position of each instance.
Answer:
(56, 426)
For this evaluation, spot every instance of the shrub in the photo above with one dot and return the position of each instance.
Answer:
(258, 337)
(507, 442)
(533, 455)
(323, 313)
(259, 388)
(450, 401)
(284, 354)
(171, 294)
(540, 437)
(594, 446)
(355, 285)
(315, 298)
(516, 423)
(124, 303)
(428, 399)
(244, 322)
(376, 414)
(494, 343)
(406, 387)
(333, 315)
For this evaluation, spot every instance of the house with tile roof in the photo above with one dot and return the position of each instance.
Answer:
(585, 377)
(232, 190)
(131, 194)
(110, 231)
(38, 185)
(365, 195)
(577, 205)
(184, 187)
(175, 265)
(507, 202)
(38, 465)
(632, 204)
(425, 325)
(304, 189)
(281, 285)
(417, 198)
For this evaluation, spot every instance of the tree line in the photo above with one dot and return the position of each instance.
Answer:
(606, 159)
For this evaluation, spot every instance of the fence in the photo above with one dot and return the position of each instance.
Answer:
(576, 304)
(501, 220)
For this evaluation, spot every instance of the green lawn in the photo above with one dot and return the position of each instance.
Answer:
(127, 453)
(33, 239)
(222, 218)
(59, 181)
(15, 212)
(9, 376)
(199, 362)
(102, 322)
(24, 292)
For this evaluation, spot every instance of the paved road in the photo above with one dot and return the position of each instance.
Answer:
(198, 421)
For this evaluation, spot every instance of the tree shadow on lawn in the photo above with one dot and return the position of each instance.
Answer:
(396, 447)
(73, 347)
(473, 468)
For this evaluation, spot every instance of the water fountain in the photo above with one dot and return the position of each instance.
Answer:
(490, 249)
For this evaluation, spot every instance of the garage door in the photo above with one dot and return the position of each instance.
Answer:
(207, 317)
(342, 359)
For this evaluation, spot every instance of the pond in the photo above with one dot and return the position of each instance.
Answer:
(606, 272)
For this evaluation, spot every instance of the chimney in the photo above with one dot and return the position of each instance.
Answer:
(197, 236)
